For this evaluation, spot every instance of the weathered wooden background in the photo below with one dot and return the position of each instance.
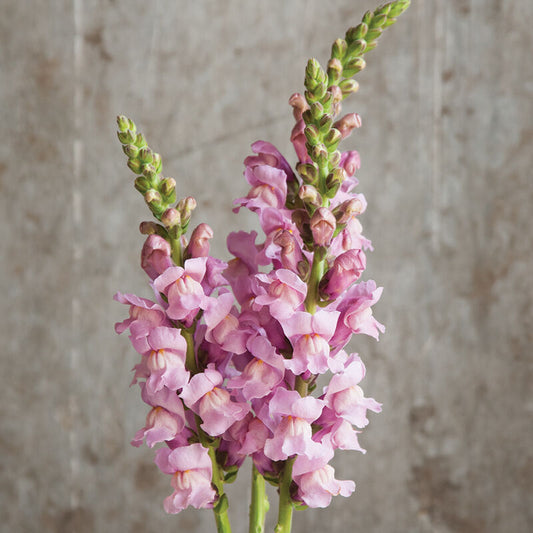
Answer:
(446, 147)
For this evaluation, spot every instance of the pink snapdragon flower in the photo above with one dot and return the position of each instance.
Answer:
(191, 470)
(309, 335)
(346, 269)
(161, 425)
(183, 289)
(356, 313)
(223, 326)
(316, 481)
(344, 396)
(205, 396)
(285, 292)
(164, 351)
(290, 419)
(263, 373)
(155, 256)
(142, 310)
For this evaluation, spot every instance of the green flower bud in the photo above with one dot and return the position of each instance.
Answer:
(312, 134)
(319, 154)
(186, 206)
(310, 196)
(334, 70)
(142, 184)
(312, 69)
(168, 186)
(135, 166)
(146, 155)
(354, 66)
(357, 48)
(367, 18)
(334, 159)
(348, 87)
(358, 32)
(170, 218)
(334, 181)
(140, 141)
(397, 8)
(152, 228)
(157, 162)
(149, 172)
(325, 124)
(384, 9)
(308, 172)
(378, 20)
(123, 123)
(130, 150)
(126, 137)
(338, 50)
(154, 201)
(317, 110)
(332, 139)
(372, 35)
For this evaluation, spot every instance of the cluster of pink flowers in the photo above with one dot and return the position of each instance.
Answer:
(224, 345)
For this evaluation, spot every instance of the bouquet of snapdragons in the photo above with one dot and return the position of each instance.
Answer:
(231, 352)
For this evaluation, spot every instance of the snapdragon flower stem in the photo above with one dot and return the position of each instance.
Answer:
(259, 506)
(285, 501)
(176, 251)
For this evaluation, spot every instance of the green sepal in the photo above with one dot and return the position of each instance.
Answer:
(299, 506)
(222, 505)
(231, 474)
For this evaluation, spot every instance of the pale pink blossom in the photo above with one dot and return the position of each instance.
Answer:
(191, 470)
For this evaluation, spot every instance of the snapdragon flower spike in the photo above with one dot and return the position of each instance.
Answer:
(191, 471)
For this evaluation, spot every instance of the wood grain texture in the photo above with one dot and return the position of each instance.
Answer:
(447, 112)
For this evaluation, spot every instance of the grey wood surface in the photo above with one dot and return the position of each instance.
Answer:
(446, 149)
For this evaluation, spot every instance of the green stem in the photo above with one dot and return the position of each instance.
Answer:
(317, 271)
(285, 502)
(190, 359)
(259, 506)
(176, 251)
(221, 509)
